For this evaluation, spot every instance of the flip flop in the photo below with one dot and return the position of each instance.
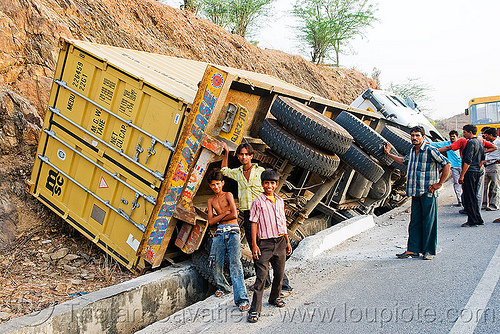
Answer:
(244, 307)
(219, 293)
(253, 317)
(278, 302)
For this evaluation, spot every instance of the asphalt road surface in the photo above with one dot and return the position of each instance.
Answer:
(361, 287)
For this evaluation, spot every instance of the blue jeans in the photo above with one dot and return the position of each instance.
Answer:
(229, 241)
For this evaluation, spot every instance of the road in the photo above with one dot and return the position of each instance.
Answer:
(361, 287)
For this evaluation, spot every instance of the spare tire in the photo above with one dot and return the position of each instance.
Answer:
(398, 138)
(311, 125)
(296, 150)
(365, 136)
(201, 263)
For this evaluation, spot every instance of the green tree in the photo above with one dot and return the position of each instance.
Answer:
(415, 89)
(191, 5)
(376, 75)
(216, 11)
(328, 25)
(237, 16)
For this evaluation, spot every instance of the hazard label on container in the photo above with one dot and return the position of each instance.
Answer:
(102, 183)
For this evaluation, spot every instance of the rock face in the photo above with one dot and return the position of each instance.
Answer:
(8, 222)
(30, 29)
(21, 122)
(29, 34)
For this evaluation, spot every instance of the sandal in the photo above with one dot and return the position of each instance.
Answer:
(244, 307)
(407, 254)
(219, 293)
(278, 302)
(253, 317)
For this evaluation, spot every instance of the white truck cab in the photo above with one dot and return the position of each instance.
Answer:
(401, 112)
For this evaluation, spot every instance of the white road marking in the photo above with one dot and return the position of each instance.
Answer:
(480, 297)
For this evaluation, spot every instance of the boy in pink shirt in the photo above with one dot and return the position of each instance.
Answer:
(270, 243)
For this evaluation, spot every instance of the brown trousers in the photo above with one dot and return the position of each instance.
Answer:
(272, 251)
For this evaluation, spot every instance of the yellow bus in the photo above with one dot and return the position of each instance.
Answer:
(484, 111)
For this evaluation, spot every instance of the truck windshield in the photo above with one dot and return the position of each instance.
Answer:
(396, 101)
(485, 113)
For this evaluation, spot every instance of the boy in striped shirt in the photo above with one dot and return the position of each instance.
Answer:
(270, 243)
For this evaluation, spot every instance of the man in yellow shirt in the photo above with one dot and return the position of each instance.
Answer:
(248, 178)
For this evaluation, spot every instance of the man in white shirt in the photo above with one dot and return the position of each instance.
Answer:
(491, 196)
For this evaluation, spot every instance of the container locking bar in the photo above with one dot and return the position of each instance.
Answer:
(138, 149)
(141, 227)
(148, 198)
(135, 204)
(151, 150)
(165, 144)
(156, 174)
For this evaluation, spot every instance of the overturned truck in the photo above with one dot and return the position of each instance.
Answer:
(129, 136)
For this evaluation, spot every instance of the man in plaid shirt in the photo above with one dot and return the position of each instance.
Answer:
(422, 183)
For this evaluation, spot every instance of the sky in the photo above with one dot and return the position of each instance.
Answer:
(451, 46)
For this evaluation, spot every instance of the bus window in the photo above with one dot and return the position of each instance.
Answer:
(485, 113)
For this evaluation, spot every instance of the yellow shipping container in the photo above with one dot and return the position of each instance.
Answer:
(128, 137)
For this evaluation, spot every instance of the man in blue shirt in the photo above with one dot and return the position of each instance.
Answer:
(422, 183)
(456, 163)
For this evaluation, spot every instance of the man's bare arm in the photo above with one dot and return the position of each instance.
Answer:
(233, 212)
(444, 149)
(255, 249)
(288, 245)
(213, 220)
(490, 149)
(387, 151)
(465, 167)
(225, 159)
(444, 175)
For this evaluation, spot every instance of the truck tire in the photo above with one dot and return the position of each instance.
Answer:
(382, 188)
(207, 241)
(248, 268)
(297, 151)
(362, 163)
(201, 264)
(402, 167)
(311, 125)
(365, 136)
(398, 138)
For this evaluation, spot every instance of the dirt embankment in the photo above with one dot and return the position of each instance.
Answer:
(42, 259)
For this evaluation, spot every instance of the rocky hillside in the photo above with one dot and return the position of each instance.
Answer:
(455, 122)
(29, 33)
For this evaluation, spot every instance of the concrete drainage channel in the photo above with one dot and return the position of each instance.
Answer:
(122, 308)
(158, 297)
